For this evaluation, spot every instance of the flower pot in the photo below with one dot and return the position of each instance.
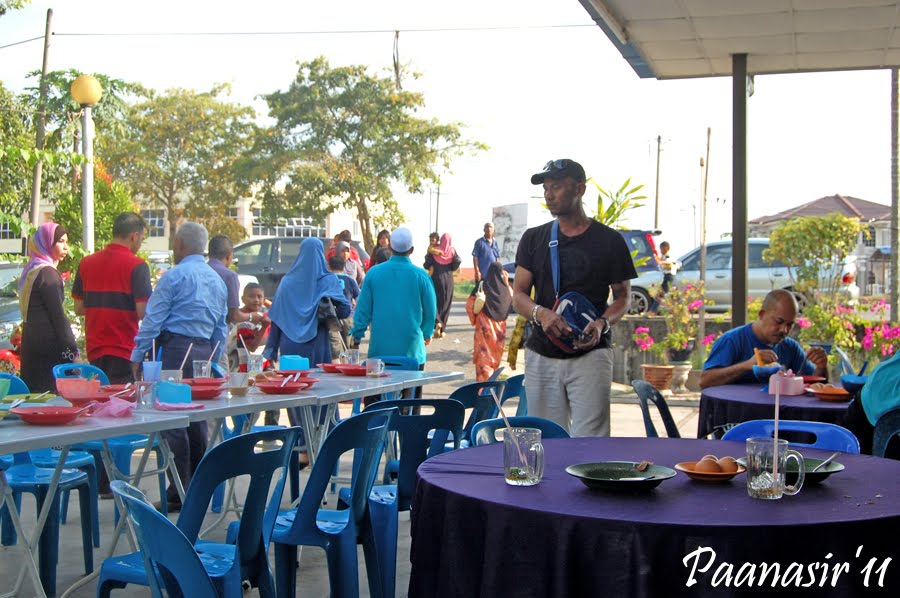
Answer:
(660, 376)
(680, 355)
(679, 378)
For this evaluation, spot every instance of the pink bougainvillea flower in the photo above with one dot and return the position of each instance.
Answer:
(803, 323)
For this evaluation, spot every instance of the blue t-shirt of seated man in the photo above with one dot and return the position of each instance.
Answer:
(737, 345)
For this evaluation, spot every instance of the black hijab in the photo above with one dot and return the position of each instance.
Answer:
(497, 299)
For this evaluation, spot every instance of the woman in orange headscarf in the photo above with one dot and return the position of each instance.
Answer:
(443, 262)
(47, 338)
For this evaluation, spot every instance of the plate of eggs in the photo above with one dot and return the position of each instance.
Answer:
(711, 468)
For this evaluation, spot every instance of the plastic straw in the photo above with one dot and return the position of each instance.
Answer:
(508, 427)
(153, 350)
(209, 361)
(186, 354)
(775, 442)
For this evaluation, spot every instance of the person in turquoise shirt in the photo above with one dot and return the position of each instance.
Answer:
(397, 299)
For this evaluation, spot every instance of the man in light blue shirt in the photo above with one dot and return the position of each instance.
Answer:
(397, 299)
(485, 252)
(186, 312)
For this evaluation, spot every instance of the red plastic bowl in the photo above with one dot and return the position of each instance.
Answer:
(275, 388)
(351, 370)
(204, 381)
(48, 416)
(330, 368)
(813, 379)
(206, 392)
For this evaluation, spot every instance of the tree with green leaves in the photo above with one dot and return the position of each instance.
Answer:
(815, 246)
(14, 174)
(343, 137)
(185, 153)
(6, 5)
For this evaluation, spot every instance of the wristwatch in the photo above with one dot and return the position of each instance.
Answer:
(606, 325)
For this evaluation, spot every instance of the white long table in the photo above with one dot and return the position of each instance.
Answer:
(17, 436)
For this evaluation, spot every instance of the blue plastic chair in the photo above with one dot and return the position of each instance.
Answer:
(23, 477)
(830, 437)
(16, 385)
(485, 431)
(647, 393)
(238, 423)
(247, 540)
(80, 370)
(887, 427)
(169, 555)
(121, 447)
(476, 396)
(515, 388)
(76, 459)
(336, 531)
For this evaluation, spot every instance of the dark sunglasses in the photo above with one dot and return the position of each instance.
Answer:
(556, 165)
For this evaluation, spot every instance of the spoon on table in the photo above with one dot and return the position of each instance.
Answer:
(825, 462)
(36, 397)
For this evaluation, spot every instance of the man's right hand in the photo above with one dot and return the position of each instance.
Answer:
(552, 323)
(768, 357)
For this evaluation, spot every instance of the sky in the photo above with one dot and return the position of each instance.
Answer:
(533, 79)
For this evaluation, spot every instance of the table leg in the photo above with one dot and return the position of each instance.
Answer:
(30, 564)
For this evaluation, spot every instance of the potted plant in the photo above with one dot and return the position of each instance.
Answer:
(679, 307)
(660, 376)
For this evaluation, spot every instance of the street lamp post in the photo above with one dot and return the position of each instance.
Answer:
(86, 91)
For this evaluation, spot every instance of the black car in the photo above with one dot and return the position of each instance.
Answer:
(269, 259)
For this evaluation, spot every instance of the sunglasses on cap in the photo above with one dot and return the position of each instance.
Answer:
(556, 165)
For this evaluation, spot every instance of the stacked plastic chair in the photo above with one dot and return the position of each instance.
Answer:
(887, 427)
(121, 447)
(336, 531)
(169, 557)
(244, 554)
(515, 389)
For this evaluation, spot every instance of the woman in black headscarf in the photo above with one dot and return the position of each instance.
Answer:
(490, 321)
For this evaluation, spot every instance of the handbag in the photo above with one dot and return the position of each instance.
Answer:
(327, 315)
(480, 298)
(577, 310)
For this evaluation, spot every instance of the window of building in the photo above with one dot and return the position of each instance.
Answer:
(6, 231)
(869, 240)
(233, 213)
(156, 222)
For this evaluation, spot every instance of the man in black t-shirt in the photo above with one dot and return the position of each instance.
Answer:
(571, 389)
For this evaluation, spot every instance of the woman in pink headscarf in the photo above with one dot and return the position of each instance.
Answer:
(443, 262)
(47, 338)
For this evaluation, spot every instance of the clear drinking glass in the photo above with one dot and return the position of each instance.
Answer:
(765, 480)
(254, 364)
(523, 456)
(374, 367)
(144, 395)
(201, 368)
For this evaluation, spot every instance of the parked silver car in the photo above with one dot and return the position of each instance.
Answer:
(762, 276)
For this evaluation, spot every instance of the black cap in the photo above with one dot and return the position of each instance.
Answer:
(560, 169)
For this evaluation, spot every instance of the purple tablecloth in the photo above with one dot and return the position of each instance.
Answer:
(474, 535)
(736, 403)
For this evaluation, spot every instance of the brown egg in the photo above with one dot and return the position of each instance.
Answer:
(707, 466)
(709, 457)
(728, 465)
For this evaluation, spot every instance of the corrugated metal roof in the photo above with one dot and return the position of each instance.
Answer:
(674, 39)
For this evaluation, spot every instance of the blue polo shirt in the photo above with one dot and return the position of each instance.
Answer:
(486, 252)
(737, 345)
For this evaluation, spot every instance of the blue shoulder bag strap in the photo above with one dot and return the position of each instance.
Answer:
(554, 255)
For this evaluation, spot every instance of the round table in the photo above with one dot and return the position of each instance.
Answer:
(736, 403)
(474, 535)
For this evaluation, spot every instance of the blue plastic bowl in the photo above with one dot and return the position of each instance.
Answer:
(853, 382)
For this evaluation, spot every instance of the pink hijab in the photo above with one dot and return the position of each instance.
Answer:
(39, 247)
(446, 250)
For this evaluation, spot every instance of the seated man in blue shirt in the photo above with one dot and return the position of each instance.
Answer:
(732, 358)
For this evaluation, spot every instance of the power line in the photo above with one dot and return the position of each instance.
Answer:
(24, 41)
(327, 32)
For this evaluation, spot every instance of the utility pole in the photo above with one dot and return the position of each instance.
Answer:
(895, 196)
(437, 211)
(656, 201)
(41, 120)
(704, 172)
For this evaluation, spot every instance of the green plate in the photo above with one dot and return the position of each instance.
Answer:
(809, 463)
(619, 475)
(29, 398)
